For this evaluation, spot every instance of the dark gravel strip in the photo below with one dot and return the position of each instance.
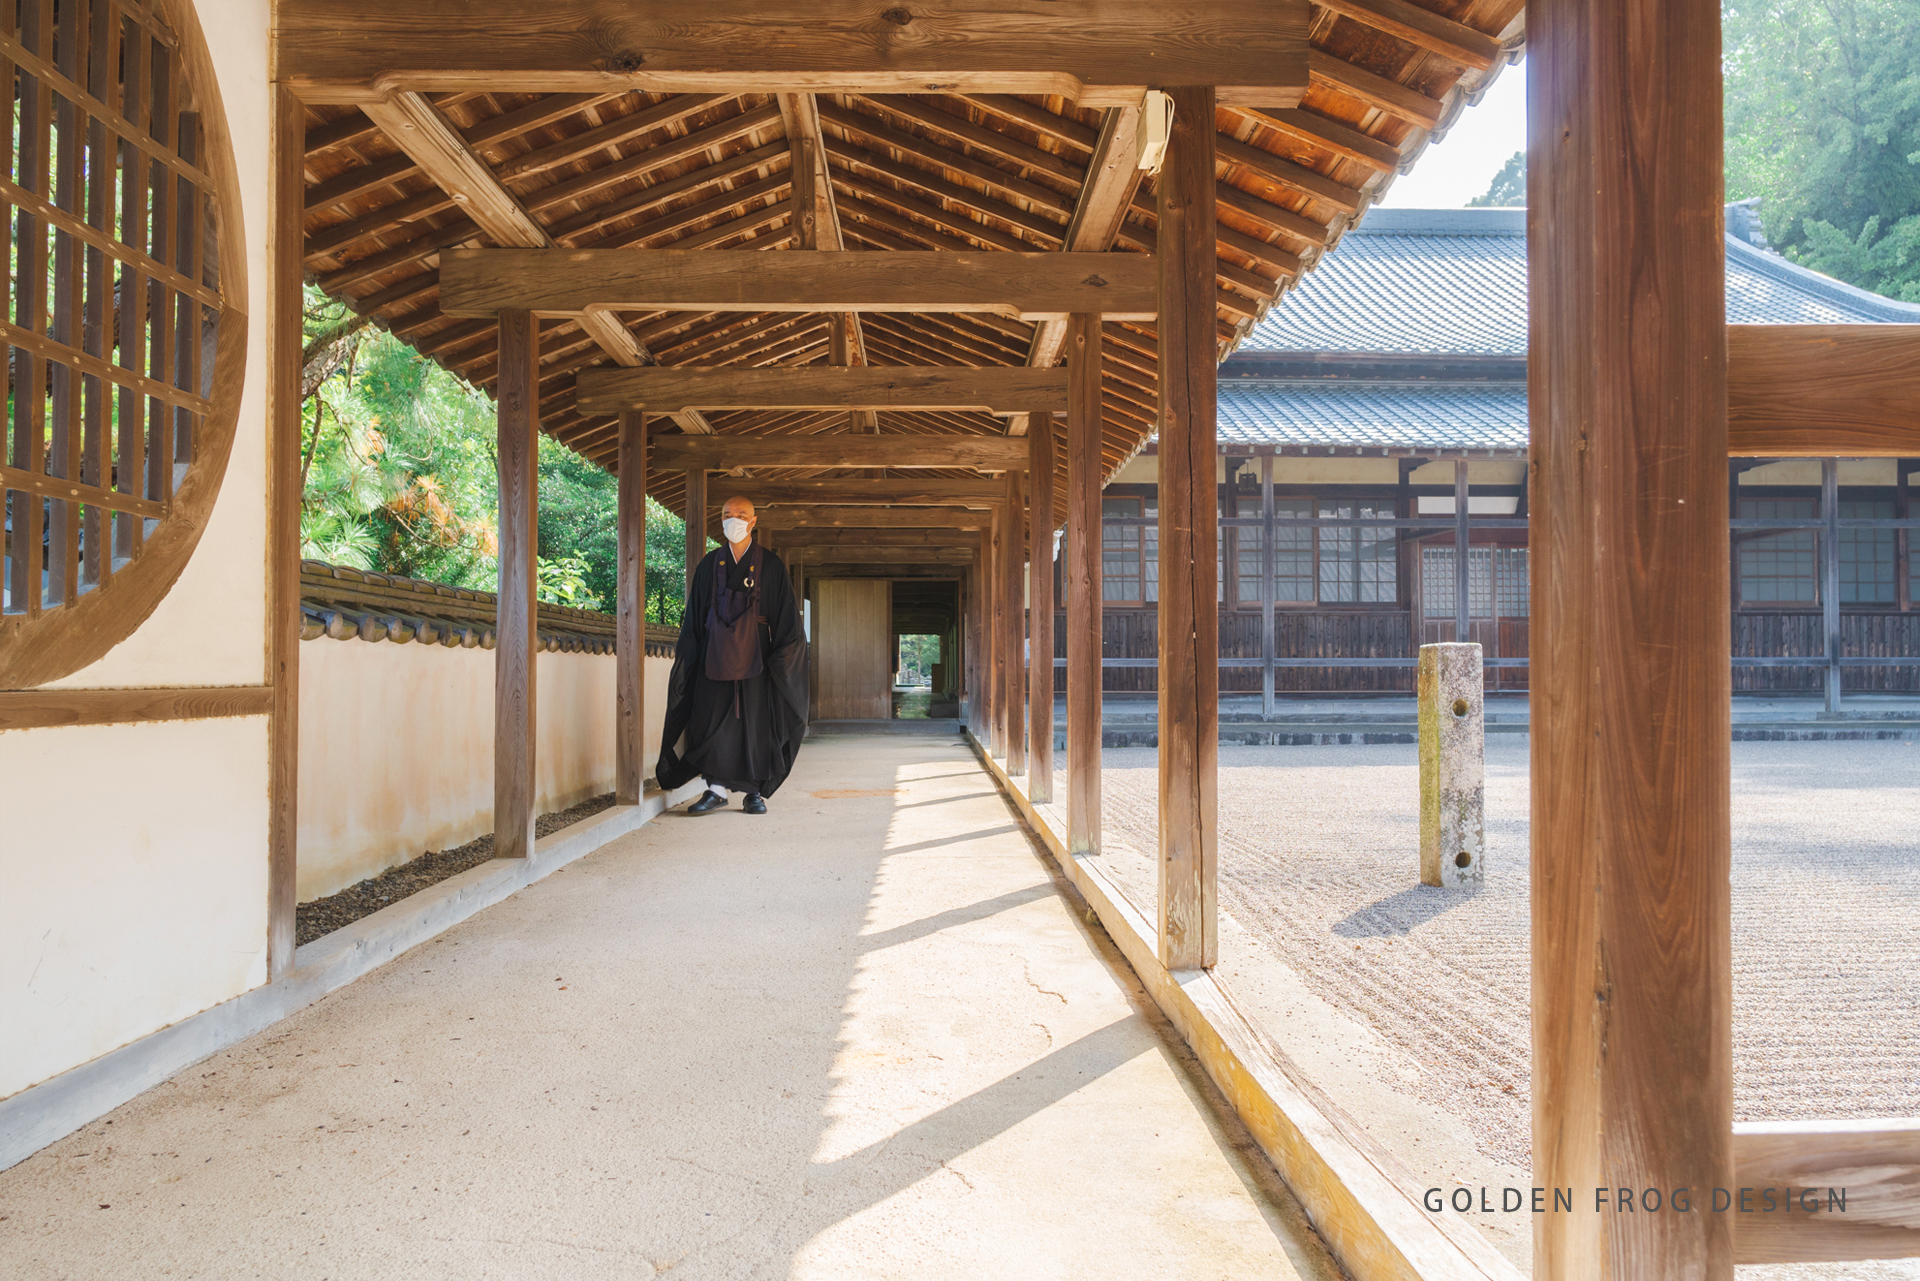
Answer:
(325, 915)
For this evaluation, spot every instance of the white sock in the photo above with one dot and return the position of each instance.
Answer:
(717, 790)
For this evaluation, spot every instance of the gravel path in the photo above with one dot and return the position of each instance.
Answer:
(1318, 861)
(322, 916)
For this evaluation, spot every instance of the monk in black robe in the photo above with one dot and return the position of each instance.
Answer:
(737, 699)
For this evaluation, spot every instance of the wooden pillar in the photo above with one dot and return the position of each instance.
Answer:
(983, 579)
(285, 202)
(997, 627)
(1013, 589)
(630, 624)
(1462, 575)
(1902, 542)
(1040, 469)
(1267, 553)
(516, 631)
(696, 514)
(1632, 962)
(1083, 576)
(1189, 530)
(1830, 575)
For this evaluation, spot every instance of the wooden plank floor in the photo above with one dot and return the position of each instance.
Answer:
(863, 1036)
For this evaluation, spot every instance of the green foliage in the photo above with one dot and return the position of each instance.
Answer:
(564, 582)
(918, 654)
(1509, 186)
(1823, 124)
(401, 477)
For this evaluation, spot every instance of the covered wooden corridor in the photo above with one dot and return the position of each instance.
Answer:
(916, 280)
(894, 1050)
(1002, 258)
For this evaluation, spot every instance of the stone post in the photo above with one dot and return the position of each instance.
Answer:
(1453, 766)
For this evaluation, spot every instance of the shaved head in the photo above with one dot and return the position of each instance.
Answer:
(736, 506)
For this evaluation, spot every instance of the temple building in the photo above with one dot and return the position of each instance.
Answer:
(1396, 372)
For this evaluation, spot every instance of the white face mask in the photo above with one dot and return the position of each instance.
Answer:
(735, 529)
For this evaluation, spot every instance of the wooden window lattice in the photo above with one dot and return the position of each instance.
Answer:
(114, 302)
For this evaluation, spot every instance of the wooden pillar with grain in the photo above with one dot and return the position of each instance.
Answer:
(983, 599)
(1830, 576)
(1013, 562)
(286, 191)
(996, 594)
(1267, 553)
(1631, 928)
(1040, 471)
(1083, 576)
(1189, 614)
(630, 623)
(696, 515)
(516, 630)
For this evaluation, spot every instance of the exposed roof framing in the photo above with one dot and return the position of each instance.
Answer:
(400, 174)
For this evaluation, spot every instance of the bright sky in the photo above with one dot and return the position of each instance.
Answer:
(1459, 168)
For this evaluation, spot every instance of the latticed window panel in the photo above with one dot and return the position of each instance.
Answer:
(1782, 568)
(1121, 547)
(1496, 576)
(1357, 566)
(114, 437)
(1869, 558)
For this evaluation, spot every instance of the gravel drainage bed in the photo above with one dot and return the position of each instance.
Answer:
(325, 915)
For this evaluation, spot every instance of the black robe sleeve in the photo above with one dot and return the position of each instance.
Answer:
(785, 671)
(786, 662)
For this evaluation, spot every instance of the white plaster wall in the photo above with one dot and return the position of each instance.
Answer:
(135, 856)
(211, 629)
(396, 749)
(136, 884)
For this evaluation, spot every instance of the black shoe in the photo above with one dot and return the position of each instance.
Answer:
(709, 802)
(754, 804)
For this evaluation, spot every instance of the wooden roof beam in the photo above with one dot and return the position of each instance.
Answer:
(1342, 140)
(816, 223)
(951, 231)
(1376, 91)
(413, 125)
(667, 389)
(940, 189)
(1009, 185)
(354, 50)
(888, 491)
(569, 230)
(1113, 176)
(653, 159)
(1271, 170)
(1422, 28)
(659, 115)
(838, 449)
(858, 518)
(1814, 391)
(959, 129)
(947, 538)
(482, 282)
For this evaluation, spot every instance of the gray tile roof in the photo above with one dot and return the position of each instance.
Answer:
(1455, 281)
(1374, 415)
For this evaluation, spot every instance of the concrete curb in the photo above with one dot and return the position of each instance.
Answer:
(44, 1113)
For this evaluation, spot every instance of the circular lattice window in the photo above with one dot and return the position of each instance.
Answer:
(124, 354)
